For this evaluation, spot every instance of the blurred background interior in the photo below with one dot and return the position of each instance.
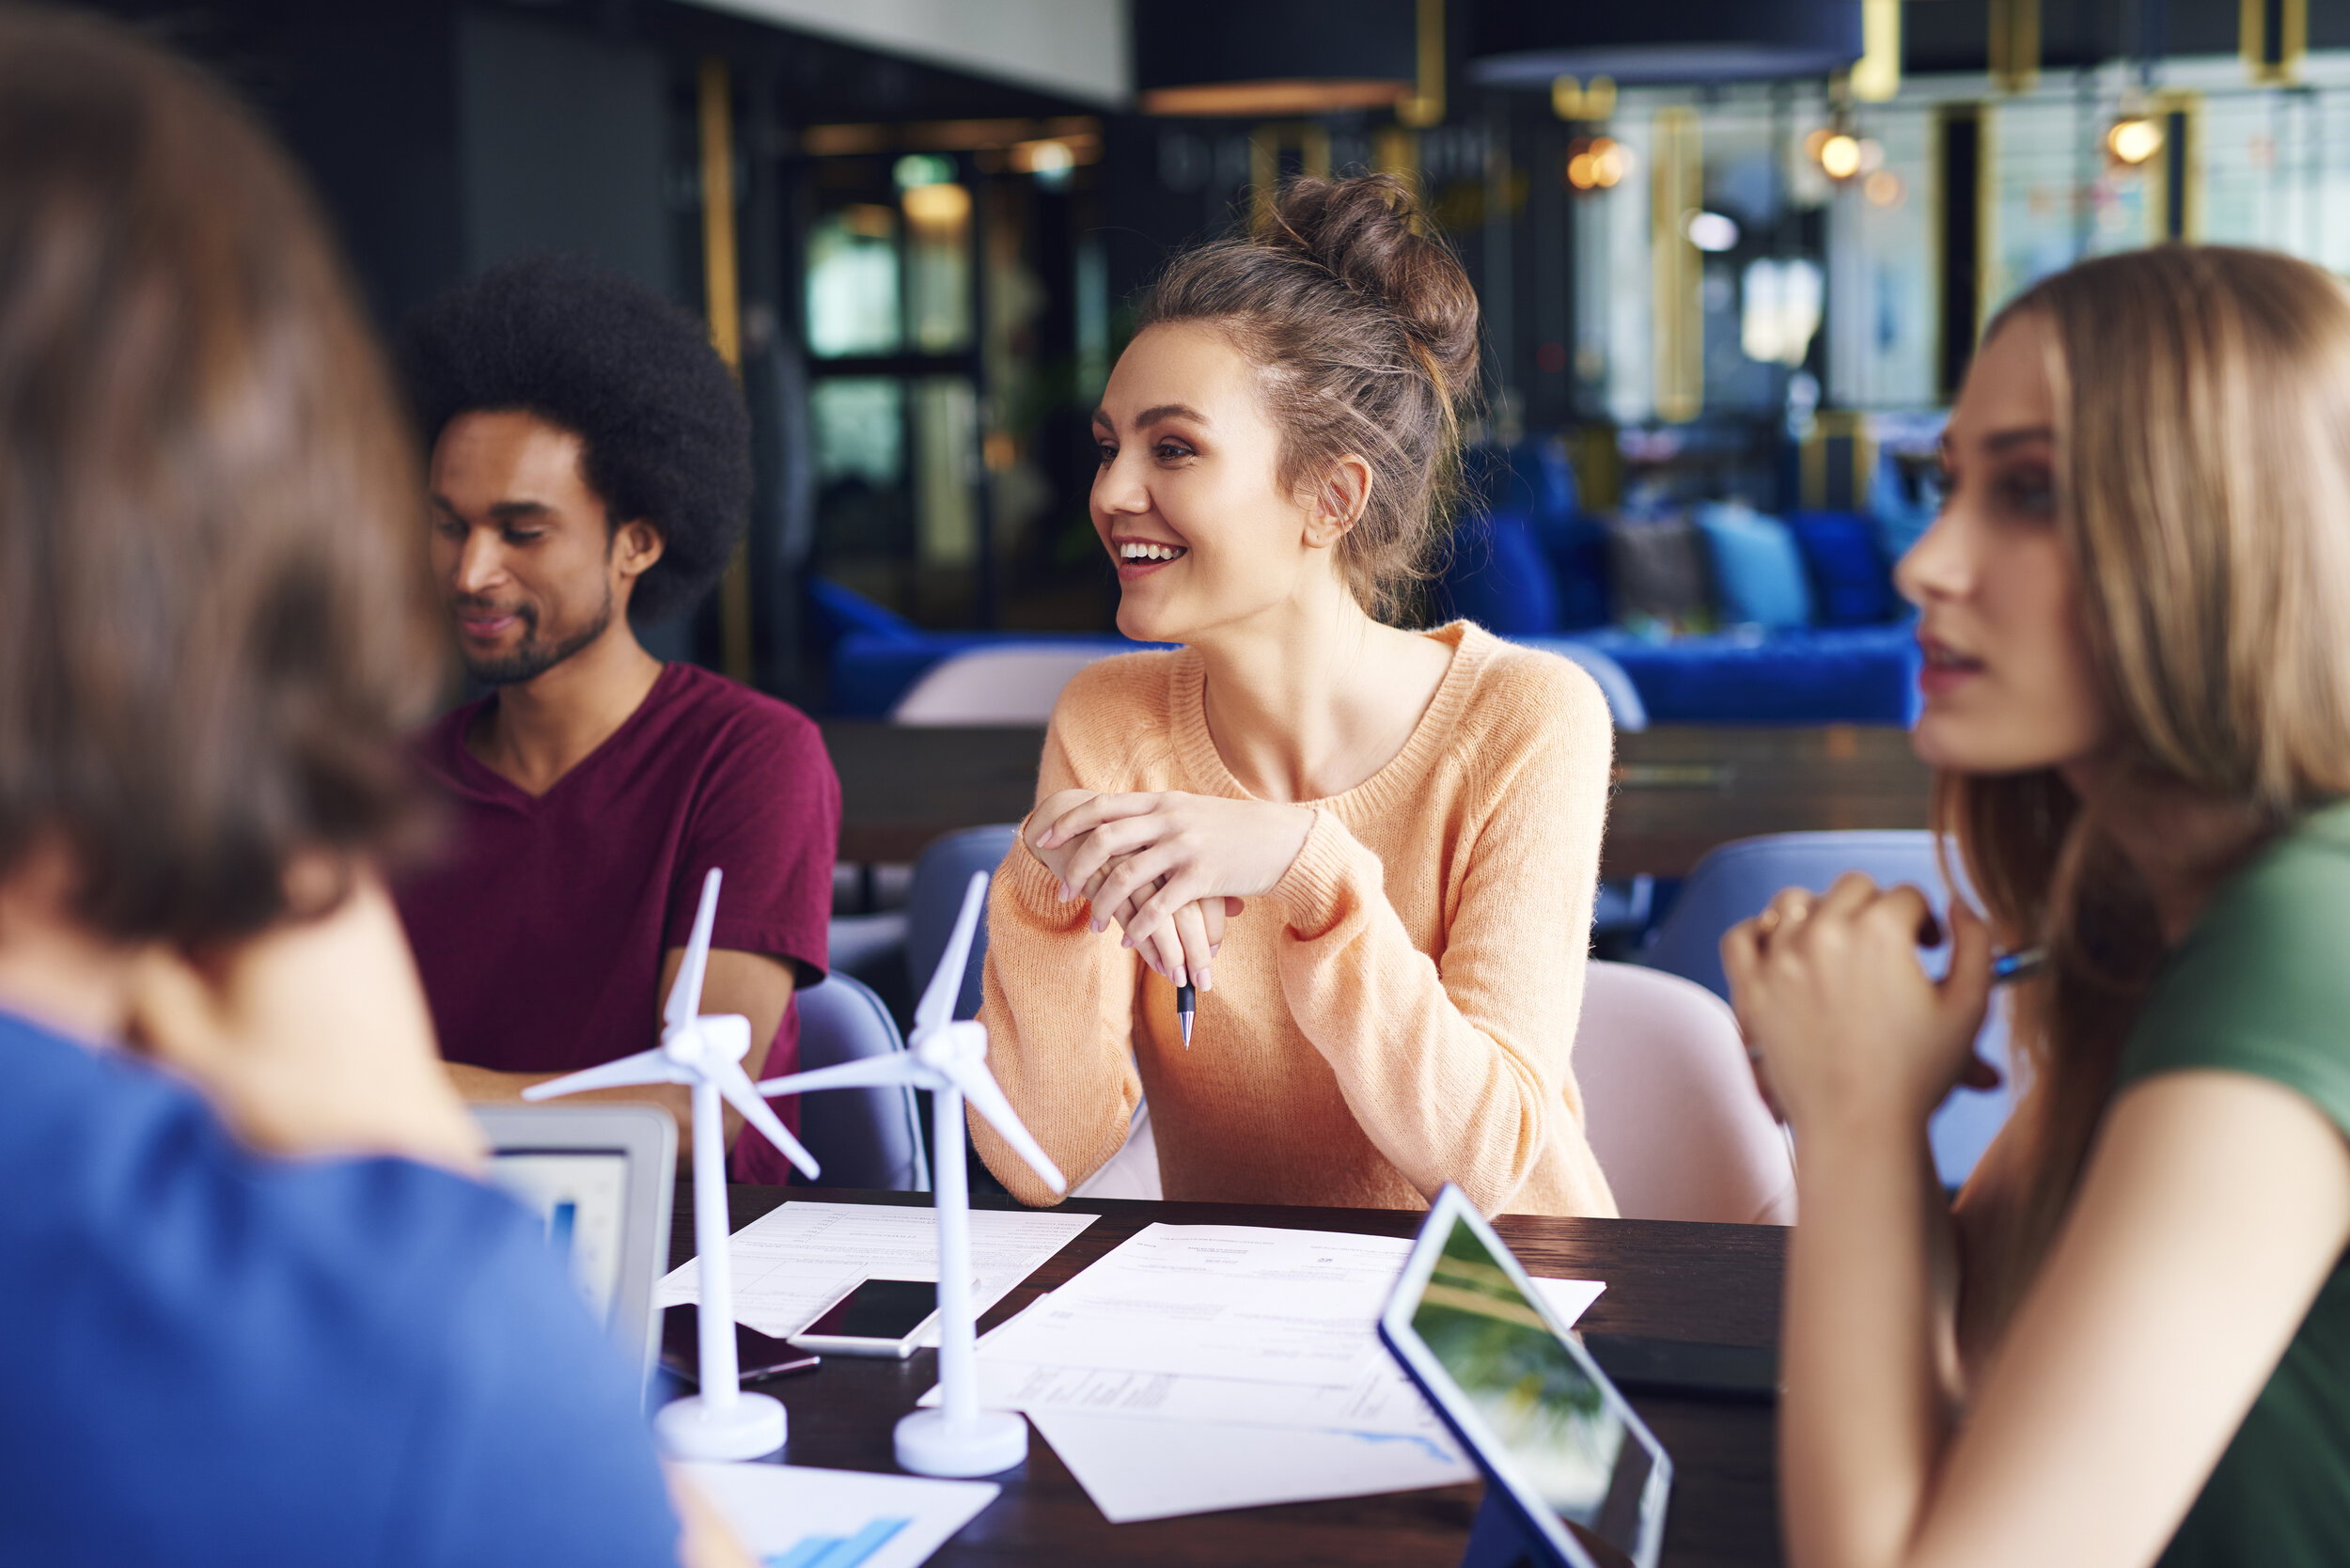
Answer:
(1732, 256)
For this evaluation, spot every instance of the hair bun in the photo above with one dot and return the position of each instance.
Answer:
(1371, 231)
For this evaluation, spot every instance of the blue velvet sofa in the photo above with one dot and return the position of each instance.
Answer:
(1529, 567)
(1823, 675)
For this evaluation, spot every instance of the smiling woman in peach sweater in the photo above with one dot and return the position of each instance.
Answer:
(1401, 828)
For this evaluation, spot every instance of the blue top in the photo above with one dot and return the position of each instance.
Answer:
(211, 1357)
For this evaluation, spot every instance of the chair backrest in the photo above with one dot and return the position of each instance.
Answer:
(1624, 706)
(1738, 879)
(1134, 1170)
(863, 1138)
(1014, 684)
(935, 896)
(1669, 1102)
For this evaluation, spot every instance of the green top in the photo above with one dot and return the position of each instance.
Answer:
(2261, 986)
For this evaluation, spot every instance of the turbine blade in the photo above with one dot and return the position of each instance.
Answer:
(645, 1067)
(899, 1067)
(743, 1095)
(937, 1005)
(685, 992)
(979, 1087)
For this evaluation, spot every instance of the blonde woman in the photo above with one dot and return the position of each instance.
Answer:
(1401, 827)
(2130, 1341)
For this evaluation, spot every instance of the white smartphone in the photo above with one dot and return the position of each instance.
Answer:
(880, 1317)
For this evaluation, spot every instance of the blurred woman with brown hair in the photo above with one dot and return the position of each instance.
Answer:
(2130, 1339)
(224, 1337)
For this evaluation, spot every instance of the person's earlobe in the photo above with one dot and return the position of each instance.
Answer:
(640, 546)
(1340, 501)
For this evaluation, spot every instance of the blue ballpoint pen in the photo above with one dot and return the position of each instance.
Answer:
(2017, 965)
(1185, 1004)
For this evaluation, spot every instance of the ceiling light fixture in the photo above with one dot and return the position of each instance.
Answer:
(1597, 162)
(1710, 231)
(1267, 59)
(2133, 139)
(937, 205)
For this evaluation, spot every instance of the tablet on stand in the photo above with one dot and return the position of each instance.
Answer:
(1574, 1480)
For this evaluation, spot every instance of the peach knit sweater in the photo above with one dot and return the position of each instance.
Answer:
(1397, 1013)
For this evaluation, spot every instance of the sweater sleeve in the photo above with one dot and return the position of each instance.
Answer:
(1058, 1001)
(1456, 1067)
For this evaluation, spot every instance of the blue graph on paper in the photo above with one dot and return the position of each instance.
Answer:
(837, 1551)
(1428, 1446)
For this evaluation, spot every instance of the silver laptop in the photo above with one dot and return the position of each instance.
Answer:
(602, 1178)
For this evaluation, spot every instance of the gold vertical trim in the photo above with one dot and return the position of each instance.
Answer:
(1930, 192)
(1265, 145)
(719, 290)
(1425, 107)
(1877, 77)
(2292, 41)
(1395, 149)
(2014, 44)
(1677, 315)
(1598, 465)
(2176, 110)
(1987, 278)
(722, 299)
(1828, 426)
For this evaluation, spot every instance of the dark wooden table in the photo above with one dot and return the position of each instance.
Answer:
(1713, 1283)
(1680, 789)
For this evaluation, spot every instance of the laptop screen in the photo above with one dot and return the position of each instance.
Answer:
(582, 1195)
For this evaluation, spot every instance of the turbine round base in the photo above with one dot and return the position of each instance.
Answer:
(692, 1428)
(990, 1442)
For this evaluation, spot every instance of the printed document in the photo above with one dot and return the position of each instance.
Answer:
(1381, 1400)
(1198, 1368)
(1160, 1469)
(1293, 1308)
(785, 1514)
(792, 1263)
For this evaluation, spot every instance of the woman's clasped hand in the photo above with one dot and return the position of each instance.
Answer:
(1840, 1017)
(1168, 868)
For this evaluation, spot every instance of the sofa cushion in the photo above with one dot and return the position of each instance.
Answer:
(1577, 549)
(1808, 675)
(1497, 576)
(1758, 570)
(843, 612)
(1658, 568)
(1850, 583)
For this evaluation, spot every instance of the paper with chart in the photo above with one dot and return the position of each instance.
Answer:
(1195, 1320)
(792, 1263)
(1137, 1470)
(788, 1516)
(1233, 1301)
(1380, 1399)
(1197, 1367)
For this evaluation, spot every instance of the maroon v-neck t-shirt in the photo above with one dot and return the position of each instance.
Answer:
(541, 928)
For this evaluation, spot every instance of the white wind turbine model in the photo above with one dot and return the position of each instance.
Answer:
(949, 1059)
(706, 1053)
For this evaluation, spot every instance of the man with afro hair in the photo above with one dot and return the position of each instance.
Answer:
(590, 461)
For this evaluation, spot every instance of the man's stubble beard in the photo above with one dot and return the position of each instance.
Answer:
(532, 659)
